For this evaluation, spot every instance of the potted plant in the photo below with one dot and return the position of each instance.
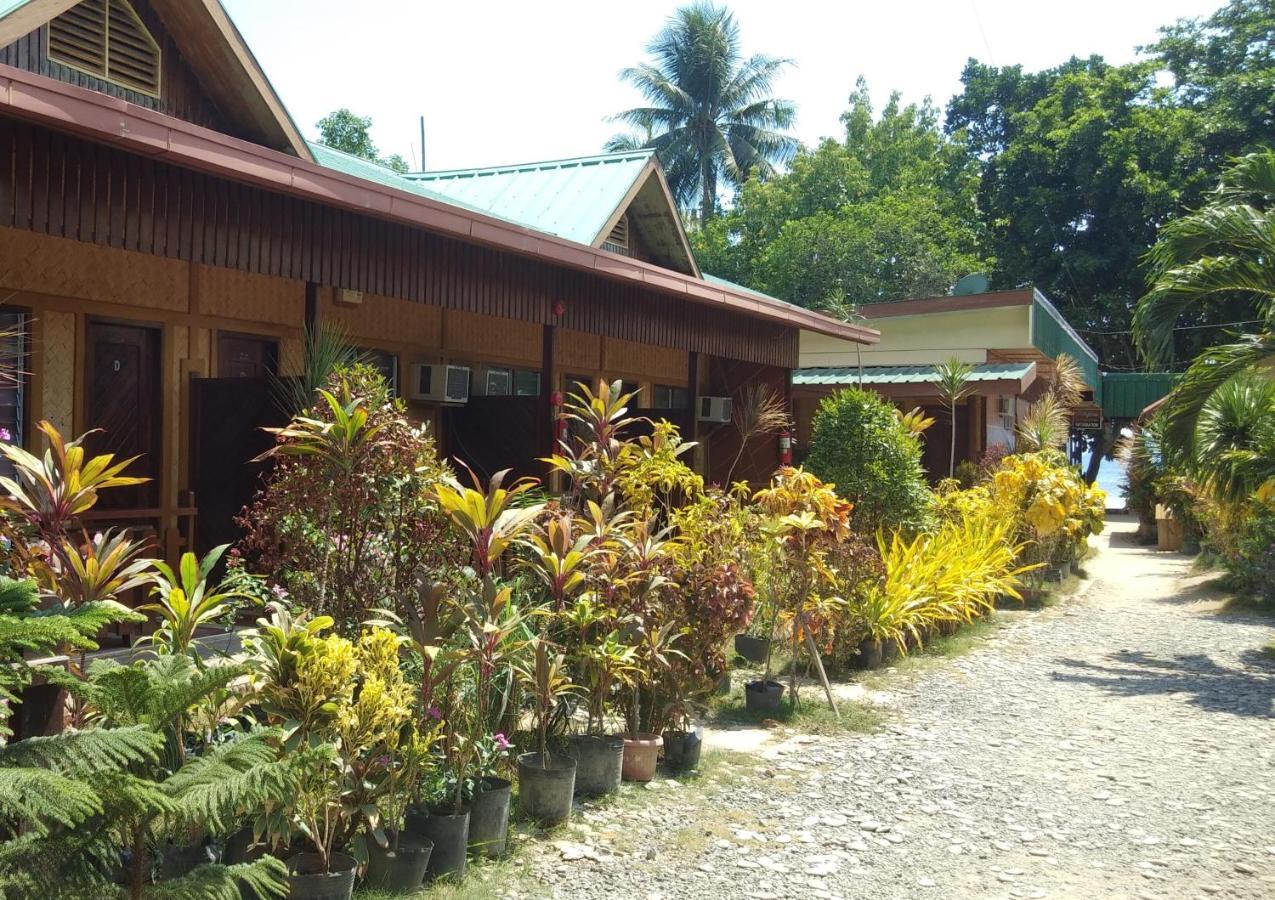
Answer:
(607, 664)
(322, 873)
(398, 859)
(489, 812)
(546, 782)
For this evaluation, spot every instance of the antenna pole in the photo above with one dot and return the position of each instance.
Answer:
(422, 143)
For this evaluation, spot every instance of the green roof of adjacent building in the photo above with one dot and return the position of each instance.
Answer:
(570, 198)
(1126, 394)
(849, 375)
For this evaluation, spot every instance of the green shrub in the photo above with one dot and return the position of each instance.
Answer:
(859, 444)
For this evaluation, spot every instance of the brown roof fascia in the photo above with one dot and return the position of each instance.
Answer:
(923, 305)
(100, 117)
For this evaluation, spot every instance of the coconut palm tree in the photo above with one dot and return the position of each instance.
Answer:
(1225, 249)
(710, 116)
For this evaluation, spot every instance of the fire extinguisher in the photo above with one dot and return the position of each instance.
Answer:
(785, 448)
(559, 420)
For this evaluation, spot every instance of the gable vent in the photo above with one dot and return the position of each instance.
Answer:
(618, 240)
(107, 39)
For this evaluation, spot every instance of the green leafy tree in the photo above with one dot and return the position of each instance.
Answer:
(710, 116)
(859, 445)
(345, 131)
(1083, 163)
(1223, 67)
(1219, 254)
(882, 215)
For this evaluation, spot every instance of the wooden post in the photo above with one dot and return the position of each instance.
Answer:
(548, 384)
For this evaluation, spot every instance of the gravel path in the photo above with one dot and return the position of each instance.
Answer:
(1120, 744)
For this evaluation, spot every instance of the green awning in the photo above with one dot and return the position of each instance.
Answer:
(1126, 394)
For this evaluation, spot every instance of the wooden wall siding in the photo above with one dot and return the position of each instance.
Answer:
(180, 93)
(386, 322)
(45, 265)
(53, 339)
(577, 353)
(61, 185)
(477, 337)
(233, 294)
(727, 378)
(660, 364)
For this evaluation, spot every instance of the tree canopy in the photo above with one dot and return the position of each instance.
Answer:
(1060, 178)
(345, 131)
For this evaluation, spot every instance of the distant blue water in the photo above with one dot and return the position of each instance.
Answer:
(1109, 477)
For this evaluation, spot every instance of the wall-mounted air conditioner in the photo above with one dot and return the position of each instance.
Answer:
(439, 383)
(714, 409)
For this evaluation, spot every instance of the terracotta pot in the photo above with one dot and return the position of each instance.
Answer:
(762, 697)
(641, 756)
(307, 879)
(545, 787)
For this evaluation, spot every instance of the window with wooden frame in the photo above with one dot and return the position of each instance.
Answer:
(669, 396)
(107, 39)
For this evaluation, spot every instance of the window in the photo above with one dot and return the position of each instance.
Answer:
(386, 363)
(666, 396)
(618, 239)
(526, 383)
(499, 382)
(1005, 411)
(13, 350)
(106, 38)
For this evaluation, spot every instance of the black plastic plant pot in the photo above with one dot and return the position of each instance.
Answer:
(682, 750)
(449, 832)
(307, 879)
(176, 861)
(546, 786)
(869, 655)
(599, 763)
(763, 697)
(489, 818)
(889, 651)
(401, 868)
(753, 649)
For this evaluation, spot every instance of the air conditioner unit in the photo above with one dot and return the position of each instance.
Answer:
(714, 409)
(439, 383)
(498, 383)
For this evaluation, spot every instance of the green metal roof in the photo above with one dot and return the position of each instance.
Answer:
(570, 198)
(1126, 394)
(368, 170)
(1051, 335)
(722, 282)
(849, 375)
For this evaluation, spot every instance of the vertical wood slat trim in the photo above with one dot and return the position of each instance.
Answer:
(62, 185)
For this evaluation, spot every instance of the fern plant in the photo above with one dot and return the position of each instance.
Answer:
(132, 789)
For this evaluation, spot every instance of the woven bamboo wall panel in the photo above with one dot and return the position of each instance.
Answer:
(577, 352)
(657, 364)
(387, 321)
(62, 185)
(243, 295)
(291, 356)
(471, 336)
(53, 336)
(46, 265)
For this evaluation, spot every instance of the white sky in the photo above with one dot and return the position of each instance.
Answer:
(504, 81)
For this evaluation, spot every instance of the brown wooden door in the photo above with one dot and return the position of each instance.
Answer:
(122, 398)
(246, 356)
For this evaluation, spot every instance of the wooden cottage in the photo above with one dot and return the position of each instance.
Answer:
(166, 234)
